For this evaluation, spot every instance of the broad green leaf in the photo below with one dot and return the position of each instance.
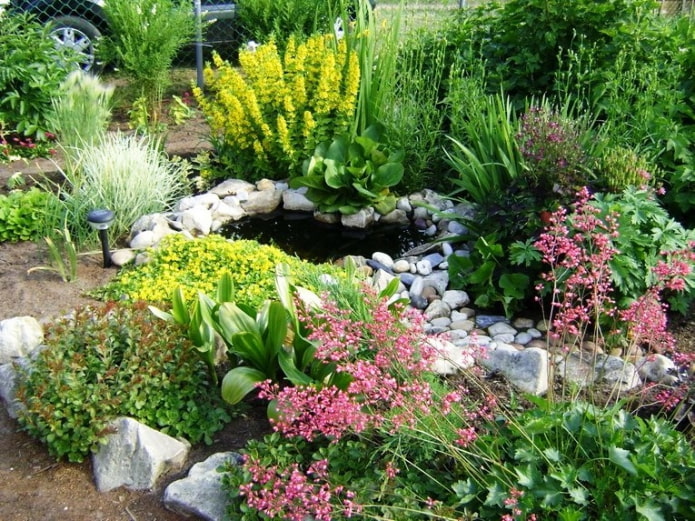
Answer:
(233, 319)
(239, 382)
(288, 366)
(225, 288)
(552, 454)
(387, 175)
(335, 175)
(483, 273)
(621, 458)
(650, 510)
(514, 284)
(276, 331)
(248, 345)
(160, 314)
(466, 491)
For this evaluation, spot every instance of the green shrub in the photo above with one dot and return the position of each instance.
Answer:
(26, 215)
(31, 71)
(265, 20)
(144, 39)
(114, 361)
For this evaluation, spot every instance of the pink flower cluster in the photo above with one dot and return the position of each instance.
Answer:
(580, 274)
(382, 357)
(293, 494)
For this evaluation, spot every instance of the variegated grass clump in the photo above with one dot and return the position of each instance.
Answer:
(127, 174)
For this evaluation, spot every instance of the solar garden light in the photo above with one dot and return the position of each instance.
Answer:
(100, 220)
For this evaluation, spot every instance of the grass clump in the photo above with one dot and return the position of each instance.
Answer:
(112, 361)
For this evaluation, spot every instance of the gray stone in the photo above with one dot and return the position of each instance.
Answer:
(416, 286)
(136, 456)
(437, 309)
(439, 280)
(143, 240)
(523, 338)
(262, 202)
(362, 219)
(534, 333)
(395, 217)
(456, 298)
(8, 377)
(442, 322)
(404, 204)
(576, 368)
(407, 278)
(19, 336)
(265, 185)
(201, 494)
(657, 368)
(418, 301)
(523, 323)
(499, 328)
(435, 259)
(420, 212)
(485, 321)
(617, 373)
(327, 218)
(297, 201)
(232, 187)
(464, 325)
(447, 249)
(456, 228)
(526, 370)
(506, 338)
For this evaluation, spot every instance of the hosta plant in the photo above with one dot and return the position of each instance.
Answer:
(349, 174)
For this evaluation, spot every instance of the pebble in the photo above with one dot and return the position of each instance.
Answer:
(485, 321)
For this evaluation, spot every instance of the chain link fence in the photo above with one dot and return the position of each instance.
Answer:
(676, 7)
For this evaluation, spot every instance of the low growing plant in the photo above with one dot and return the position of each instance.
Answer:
(63, 255)
(269, 116)
(26, 215)
(197, 266)
(348, 175)
(110, 361)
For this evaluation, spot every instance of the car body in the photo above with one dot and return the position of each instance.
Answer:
(77, 24)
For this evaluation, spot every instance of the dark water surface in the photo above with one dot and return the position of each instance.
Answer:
(298, 233)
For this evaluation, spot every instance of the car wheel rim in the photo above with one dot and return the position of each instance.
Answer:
(77, 42)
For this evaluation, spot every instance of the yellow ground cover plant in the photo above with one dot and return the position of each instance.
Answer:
(267, 116)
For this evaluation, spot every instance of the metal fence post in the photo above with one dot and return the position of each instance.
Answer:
(199, 44)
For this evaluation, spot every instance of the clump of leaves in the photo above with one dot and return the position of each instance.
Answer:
(24, 215)
(110, 361)
(578, 461)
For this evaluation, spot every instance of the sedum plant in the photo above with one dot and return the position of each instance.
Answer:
(350, 174)
(269, 116)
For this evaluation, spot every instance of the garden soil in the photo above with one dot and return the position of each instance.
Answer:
(33, 486)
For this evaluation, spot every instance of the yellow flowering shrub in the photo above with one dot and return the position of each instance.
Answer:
(197, 265)
(268, 116)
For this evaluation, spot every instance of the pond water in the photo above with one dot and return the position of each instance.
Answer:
(298, 233)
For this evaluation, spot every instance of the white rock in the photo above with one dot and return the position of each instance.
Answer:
(228, 212)
(265, 184)
(263, 202)
(534, 333)
(143, 240)
(451, 358)
(381, 279)
(232, 187)
(447, 249)
(442, 322)
(420, 212)
(8, 377)
(456, 228)
(404, 204)
(19, 336)
(197, 220)
(617, 373)
(657, 368)
(401, 266)
(122, 257)
(136, 456)
(523, 338)
(505, 338)
(424, 267)
(523, 323)
(463, 325)
(207, 200)
(439, 280)
(383, 258)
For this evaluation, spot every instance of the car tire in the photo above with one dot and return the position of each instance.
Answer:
(78, 35)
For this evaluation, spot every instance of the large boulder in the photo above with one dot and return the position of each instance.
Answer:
(136, 456)
(201, 494)
(526, 370)
(18, 337)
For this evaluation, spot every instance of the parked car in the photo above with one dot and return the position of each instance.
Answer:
(77, 24)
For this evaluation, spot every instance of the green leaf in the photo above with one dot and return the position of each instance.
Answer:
(650, 510)
(225, 288)
(287, 363)
(621, 458)
(239, 382)
(388, 175)
(179, 308)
